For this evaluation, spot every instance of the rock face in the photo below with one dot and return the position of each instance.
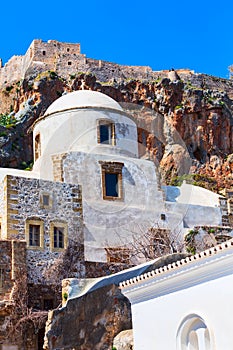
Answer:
(89, 322)
(197, 106)
(124, 340)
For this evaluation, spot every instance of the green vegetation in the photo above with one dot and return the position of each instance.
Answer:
(157, 80)
(50, 75)
(189, 85)
(178, 107)
(190, 241)
(26, 165)
(72, 76)
(7, 120)
(3, 134)
(211, 230)
(196, 180)
(65, 296)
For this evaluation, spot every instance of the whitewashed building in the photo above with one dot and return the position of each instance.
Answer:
(86, 138)
(186, 305)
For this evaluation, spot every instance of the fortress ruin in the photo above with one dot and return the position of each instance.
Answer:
(66, 59)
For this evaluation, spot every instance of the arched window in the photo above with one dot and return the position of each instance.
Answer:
(193, 334)
(37, 147)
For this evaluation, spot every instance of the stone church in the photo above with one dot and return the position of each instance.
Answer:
(88, 185)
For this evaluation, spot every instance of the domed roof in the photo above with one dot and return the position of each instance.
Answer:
(81, 99)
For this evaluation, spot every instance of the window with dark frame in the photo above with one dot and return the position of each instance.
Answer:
(112, 180)
(58, 237)
(34, 235)
(106, 132)
(111, 185)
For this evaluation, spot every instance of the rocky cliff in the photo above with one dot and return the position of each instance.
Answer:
(199, 108)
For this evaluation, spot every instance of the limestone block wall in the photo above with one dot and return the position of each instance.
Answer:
(105, 70)
(12, 71)
(24, 202)
(66, 59)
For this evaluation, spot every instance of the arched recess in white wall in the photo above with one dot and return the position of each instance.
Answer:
(193, 334)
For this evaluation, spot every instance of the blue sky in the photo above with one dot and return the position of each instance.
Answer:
(161, 34)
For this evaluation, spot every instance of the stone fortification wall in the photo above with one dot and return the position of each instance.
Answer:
(40, 56)
(24, 202)
(66, 59)
(12, 71)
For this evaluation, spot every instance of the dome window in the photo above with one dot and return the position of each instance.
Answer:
(106, 132)
(37, 147)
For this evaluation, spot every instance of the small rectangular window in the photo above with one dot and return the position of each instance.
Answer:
(58, 237)
(111, 184)
(34, 235)
(46, 199)
(163, 217)
(106, 132)
(44, 53)
(69, 63)
(112, 180)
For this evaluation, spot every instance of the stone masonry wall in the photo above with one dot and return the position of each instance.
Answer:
(24, 203)
(66, 59)
(12, 71)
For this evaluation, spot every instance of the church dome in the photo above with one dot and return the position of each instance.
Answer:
(82, 99)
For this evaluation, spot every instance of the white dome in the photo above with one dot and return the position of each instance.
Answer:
(82, 99)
